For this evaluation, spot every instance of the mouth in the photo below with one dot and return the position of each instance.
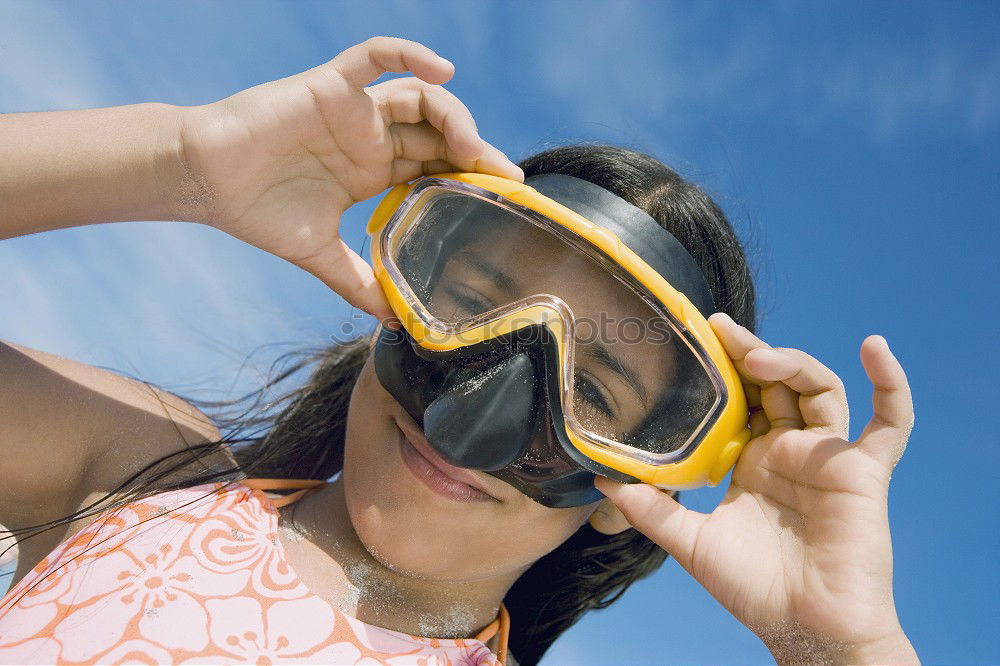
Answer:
(444, 479)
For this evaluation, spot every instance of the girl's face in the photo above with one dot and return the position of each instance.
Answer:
(418, 515)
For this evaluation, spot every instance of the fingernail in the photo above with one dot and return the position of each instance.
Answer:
(769, 354)
(606, 481)
(723, 315)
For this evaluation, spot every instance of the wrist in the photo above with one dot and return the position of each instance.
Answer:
(89, 166)
(796, 645)
(892, 649)
(182, 194)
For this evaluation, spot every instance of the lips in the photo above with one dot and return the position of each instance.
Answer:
(441, 477)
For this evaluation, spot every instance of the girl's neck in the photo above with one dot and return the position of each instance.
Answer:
(326, 553)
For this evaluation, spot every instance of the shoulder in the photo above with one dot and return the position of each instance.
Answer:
(52, 385)
(72, 432)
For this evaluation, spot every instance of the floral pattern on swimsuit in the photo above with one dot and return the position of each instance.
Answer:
(188, 577)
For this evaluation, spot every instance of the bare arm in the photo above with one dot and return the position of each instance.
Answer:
(61, 169)
(69, 430)
(70, 433)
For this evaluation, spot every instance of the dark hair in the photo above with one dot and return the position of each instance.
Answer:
(591, 570)
(301, 433)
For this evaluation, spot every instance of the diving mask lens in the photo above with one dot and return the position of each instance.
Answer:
(475, 267)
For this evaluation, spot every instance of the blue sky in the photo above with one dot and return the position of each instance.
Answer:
(854, 147)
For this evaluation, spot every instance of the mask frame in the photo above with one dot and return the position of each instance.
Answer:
(709, 455)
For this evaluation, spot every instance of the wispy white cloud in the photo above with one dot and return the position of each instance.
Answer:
(671, 69)
(147, 298)
(896, 88)
(45, 63)
(168, 302)
(984, 94)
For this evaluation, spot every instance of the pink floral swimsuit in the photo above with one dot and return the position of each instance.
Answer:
(194, 576)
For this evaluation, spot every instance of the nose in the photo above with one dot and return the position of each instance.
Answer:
(484, 418)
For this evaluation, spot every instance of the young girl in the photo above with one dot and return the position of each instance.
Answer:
(416, 552)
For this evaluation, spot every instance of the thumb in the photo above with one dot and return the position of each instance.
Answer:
(344, 271)
(657, 515)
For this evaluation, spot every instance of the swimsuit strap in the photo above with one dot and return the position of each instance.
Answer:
(500, 625)
(307, 486)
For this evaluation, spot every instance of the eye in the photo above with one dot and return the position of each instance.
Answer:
(594, 393)
(469, 300)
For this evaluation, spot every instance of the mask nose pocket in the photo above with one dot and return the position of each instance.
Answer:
(410, 379)
(484, 420)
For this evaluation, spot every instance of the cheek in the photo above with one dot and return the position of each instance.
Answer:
(370, 459)
(411, 530)
(536, 531)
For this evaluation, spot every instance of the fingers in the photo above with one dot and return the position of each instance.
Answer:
(406, 170)
(349, 275)
(428, 122)
(657, 515)
(814, 397)
(363, 63)
(412, 101)
(780, 402)
(424, 151)
(885, 435)
(822, 400)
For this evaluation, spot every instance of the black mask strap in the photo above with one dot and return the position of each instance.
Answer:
(635, 227)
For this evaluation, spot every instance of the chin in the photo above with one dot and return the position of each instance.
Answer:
(403, 524)
(413, 536)
(417, 531)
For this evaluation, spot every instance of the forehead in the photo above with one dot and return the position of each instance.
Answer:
(539, 262)
(610, 317)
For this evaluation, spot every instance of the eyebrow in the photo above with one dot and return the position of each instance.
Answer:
(599, 352)
(604, 356)
(501, 279)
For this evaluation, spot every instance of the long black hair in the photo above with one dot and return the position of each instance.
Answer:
(591, 570)
(301, 433)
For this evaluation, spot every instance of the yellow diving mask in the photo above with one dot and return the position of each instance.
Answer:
(552, 331)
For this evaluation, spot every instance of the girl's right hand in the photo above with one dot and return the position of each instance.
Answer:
(277, 165)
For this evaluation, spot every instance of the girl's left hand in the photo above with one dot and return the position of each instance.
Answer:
(799, 549)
